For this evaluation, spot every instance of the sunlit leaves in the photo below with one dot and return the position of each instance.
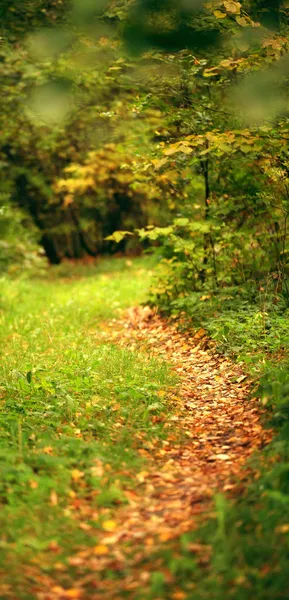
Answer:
(232, 7)
(214, 142)
(107, 168)
(219, 14)
(118, 236)
(242, 21)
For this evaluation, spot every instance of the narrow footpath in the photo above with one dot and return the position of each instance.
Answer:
(217, 427)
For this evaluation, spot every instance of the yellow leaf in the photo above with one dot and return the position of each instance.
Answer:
(232, 7)
(225, 63)
(159, 163)
(72, 593)
(171, 150)
(165, 536)
(179, 595)
(185, 149)
(277, 44)
(33, 484)
(220, 457)
(282, 528)
(100, 550)
(142, 476)
(97, 470)
(219, 15)
(76, 474)
(62, 593)
(68, 199)
(200, 334)
(242, 21)
(212, 72)
(109, 525)
(53, 498)
(245, 148)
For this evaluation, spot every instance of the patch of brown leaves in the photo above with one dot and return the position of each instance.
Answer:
(220, 420)
(220, 426)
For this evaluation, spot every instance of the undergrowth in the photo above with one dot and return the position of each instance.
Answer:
(248, 536)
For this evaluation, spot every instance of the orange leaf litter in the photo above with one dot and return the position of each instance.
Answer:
(218, 428)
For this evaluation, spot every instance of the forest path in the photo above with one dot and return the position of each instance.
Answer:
(217, 428)
(117, 431)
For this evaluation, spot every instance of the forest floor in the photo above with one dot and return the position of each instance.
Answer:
(121, 437)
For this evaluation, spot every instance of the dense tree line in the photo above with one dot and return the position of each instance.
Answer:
(125, 115)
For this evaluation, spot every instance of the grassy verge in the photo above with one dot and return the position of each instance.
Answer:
(75, 413)
(248, 536)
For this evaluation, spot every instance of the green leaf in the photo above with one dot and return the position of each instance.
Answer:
(181, 222)
(118, 236)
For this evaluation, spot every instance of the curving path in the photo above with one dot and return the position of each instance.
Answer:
(218, 428)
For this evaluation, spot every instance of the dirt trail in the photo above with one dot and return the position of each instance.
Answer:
(221, 424)
(221, 428)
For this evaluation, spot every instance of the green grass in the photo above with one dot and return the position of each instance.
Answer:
(249, 535)
(75, 410)
(76, 414)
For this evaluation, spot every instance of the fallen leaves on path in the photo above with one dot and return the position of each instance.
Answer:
(218, 428)
(220, 422)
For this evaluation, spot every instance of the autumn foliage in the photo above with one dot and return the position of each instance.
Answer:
(144, 204)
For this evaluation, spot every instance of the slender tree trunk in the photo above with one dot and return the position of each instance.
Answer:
(208, 238)
(205, 169)
(86, 244)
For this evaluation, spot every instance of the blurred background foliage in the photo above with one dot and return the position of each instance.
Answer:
(128, 114)
(163, 125)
